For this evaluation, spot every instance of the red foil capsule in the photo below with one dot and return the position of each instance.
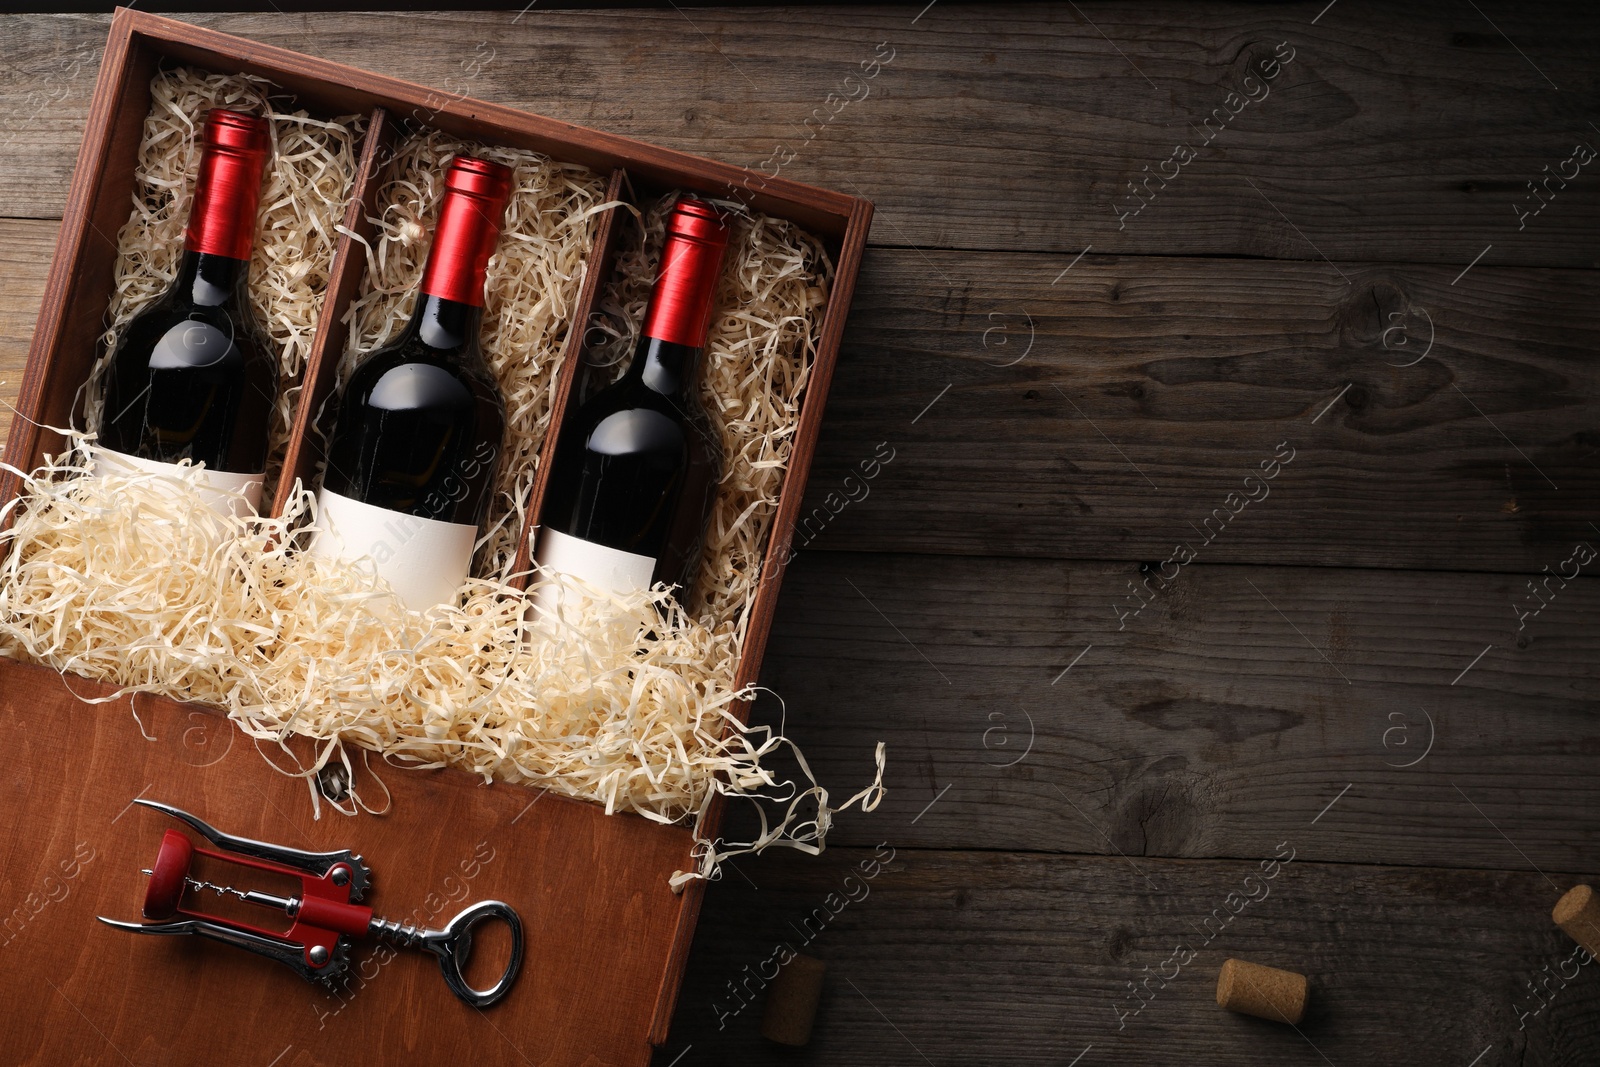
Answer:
(691, 260)
(233, 153)
(474, 205)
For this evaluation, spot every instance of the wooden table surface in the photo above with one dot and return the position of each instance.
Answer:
(1244, 444)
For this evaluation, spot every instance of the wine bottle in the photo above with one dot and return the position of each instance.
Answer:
(636, 466)
(192, 378)
(416, 437)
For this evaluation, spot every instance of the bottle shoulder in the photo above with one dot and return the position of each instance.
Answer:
(170, 325)
(624, 419)
(629, 393)
(172, 307)
(408, 374)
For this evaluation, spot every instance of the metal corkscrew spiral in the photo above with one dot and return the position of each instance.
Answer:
(406, 935)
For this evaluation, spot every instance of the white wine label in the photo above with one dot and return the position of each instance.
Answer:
(425, 561)
(226, 493)
(608, 569)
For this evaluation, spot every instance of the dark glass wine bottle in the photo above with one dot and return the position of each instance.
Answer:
(636, 466)
(192, 378)
(416, 437)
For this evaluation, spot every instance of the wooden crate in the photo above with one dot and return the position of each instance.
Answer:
(607, 938)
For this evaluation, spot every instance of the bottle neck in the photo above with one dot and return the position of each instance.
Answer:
(665, 367)
(450, 300)
(463, 241)
(678, 317)
(227, 192)
(209, 280)
(680, 303)
(447, 326)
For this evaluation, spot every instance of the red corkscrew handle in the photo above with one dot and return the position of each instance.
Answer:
(167, 876)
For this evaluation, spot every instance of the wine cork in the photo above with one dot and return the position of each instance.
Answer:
(1578, 913)
(792, 1001)
(1265, 992)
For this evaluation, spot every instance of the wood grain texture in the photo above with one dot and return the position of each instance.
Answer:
(25, 249)
(1239, 698)
(1106, 416)
(74, 848)
(1181, 749)
(1396, 135)
(977, 958)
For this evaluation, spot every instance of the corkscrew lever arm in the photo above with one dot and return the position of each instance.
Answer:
(271, 947)
(317, 864)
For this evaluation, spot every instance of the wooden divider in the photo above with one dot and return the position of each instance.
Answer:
(304, 453)
(595, 272)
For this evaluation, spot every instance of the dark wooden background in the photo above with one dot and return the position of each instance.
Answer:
(1342, 672)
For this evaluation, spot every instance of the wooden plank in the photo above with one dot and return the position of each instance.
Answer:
(73, 849)
(25, 250)
(1188, 373)
(1415, 143)
(1033, 957)
(1153, 387)
(1240, 697)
